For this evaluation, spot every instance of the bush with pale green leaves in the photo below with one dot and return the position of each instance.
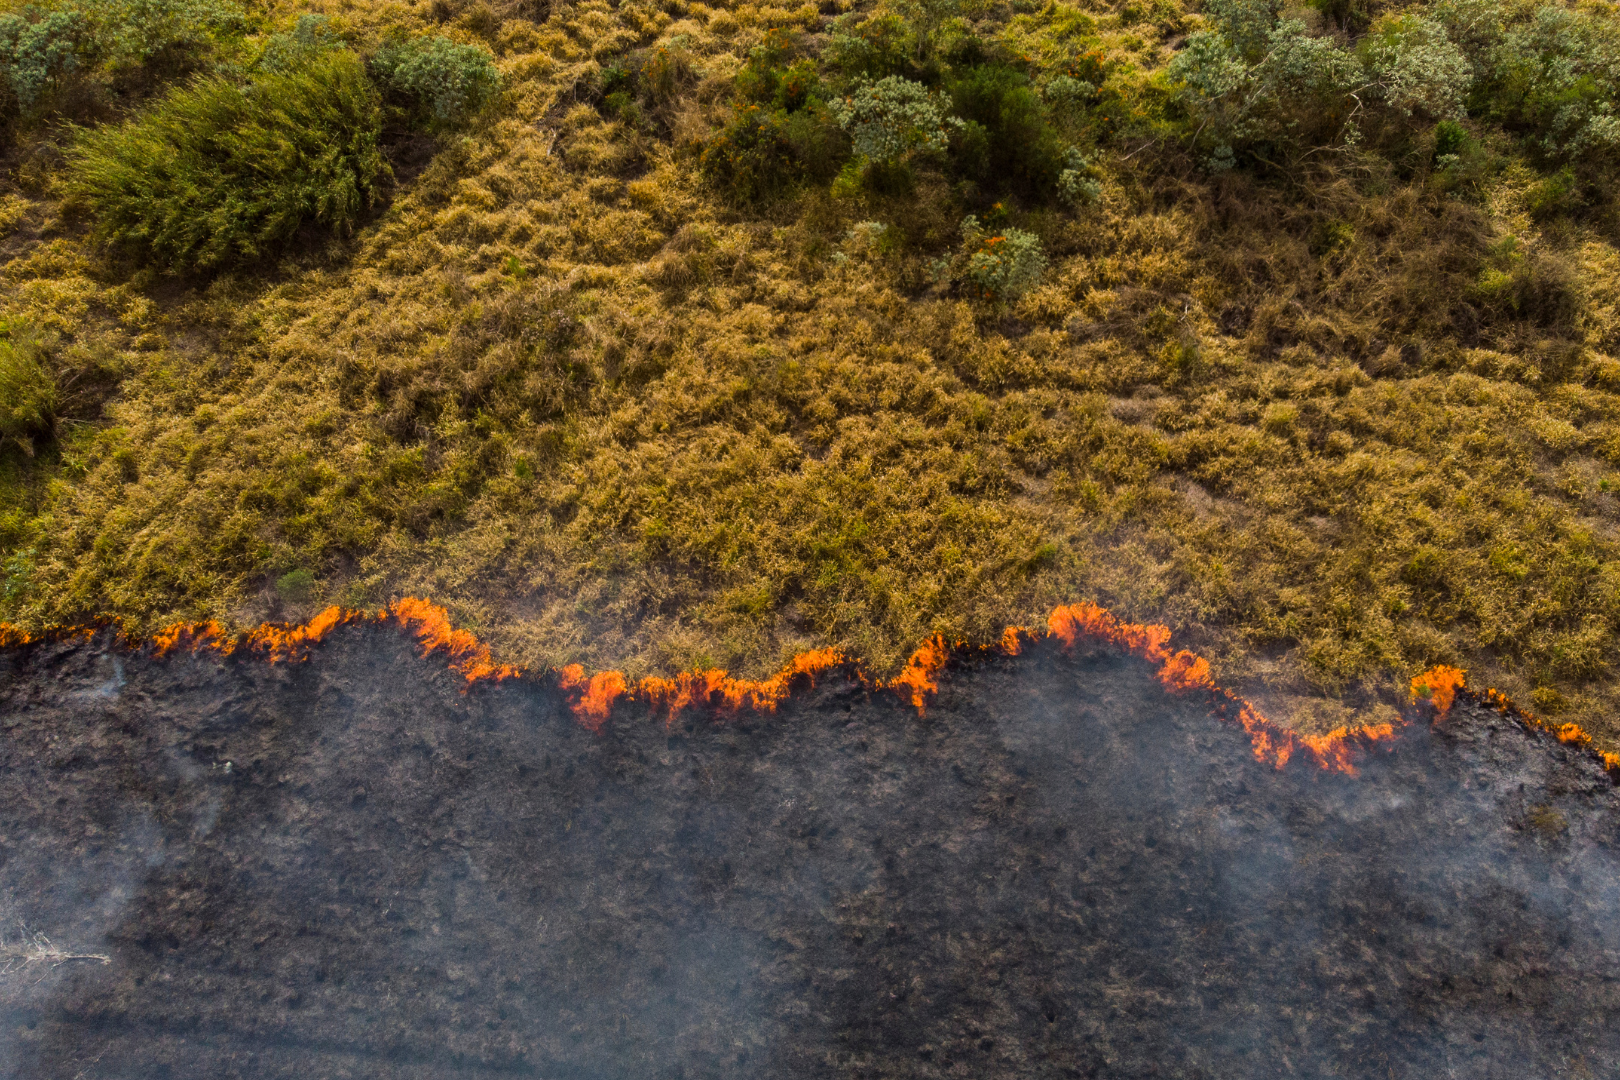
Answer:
(893, 119)
(1549, 73)
(1269, 85)
(164, 33)
(36, 55)
(46, 47)
(444, 82)
(1000, 266)
(308, 39)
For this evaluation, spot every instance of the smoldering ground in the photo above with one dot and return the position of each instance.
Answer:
(358, 866)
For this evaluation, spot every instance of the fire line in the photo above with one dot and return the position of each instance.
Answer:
(594, 696)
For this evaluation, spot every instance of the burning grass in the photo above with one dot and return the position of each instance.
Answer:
(1334, 429)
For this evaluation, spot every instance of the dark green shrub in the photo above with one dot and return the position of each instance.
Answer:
(221, 171)
(764, 152)
(780, 133)
(771, 76)
(37, 51)
(1450, 139)
(1008, 142)
(443, 83)
(1351, 16)
(296, 586)
(618, 86)
(646, 85)
(1556, 195)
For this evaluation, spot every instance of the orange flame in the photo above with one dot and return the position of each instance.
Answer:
(294, 642)
(599, 692)
(1012, 640)
(715, 687)
(193, 637)
(1440, 685)
(1571, 734)
(431, 625)
(916, 680)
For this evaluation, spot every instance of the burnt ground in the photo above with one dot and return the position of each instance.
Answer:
(1060, 871)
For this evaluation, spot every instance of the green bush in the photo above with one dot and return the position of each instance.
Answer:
(38, 50)
(1001, 265)
(1078, 182)
(1268, 86)
(780, 133)
(28, 393)
(874, 48)
(928, 18)
(1450, 139)
(1008, 141)
(286, 53)
(1414, 69)
(444, 83)
(1068, 93)
(1556, 78)
(1294, 97)
(221, 171)
(296, 585)
(164, 36)
(764, 152)
(892, 119)
(647, 85)
(45, 48)
(772, 77)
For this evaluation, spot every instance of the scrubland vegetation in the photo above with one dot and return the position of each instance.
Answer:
(668, 334)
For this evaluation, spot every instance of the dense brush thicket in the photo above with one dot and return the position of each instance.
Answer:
(694, 334)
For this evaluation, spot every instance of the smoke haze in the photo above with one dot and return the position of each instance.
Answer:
(357, 866)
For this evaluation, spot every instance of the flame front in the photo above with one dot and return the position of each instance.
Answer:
(594, 697)
(1182, 672)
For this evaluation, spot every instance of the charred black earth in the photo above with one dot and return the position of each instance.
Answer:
(357, 866)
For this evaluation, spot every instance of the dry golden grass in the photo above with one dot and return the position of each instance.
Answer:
(563, 389)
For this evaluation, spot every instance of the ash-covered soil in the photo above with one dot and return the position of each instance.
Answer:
(354, 866)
